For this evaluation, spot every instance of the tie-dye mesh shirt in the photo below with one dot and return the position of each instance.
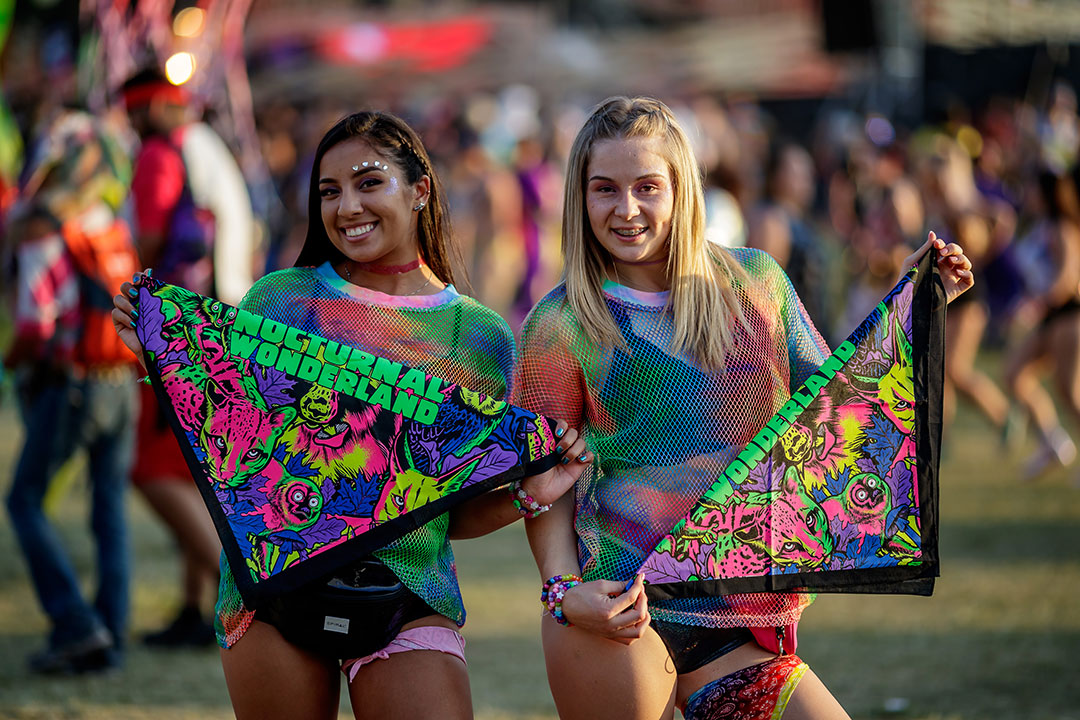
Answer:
(662, 430)
(447, 335)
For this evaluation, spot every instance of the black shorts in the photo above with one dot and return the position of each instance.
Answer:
(692, 647)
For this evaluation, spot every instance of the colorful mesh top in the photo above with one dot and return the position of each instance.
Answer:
(447, 335)
(662, 430)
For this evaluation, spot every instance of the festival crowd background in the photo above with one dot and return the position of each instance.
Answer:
(834, 135)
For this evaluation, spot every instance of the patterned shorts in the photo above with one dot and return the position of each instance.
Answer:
(759, 692)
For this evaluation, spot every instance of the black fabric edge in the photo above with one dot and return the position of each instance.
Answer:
(928, 319)
(904, 580)
(319, 566)
(325, 562)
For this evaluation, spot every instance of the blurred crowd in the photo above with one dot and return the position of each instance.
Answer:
(839, 205)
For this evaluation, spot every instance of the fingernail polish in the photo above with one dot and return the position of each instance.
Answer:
(581, 457)
(133, 292)
(132, 323)
(558, 448)
(565, 460)
(559, 432)
(134, 314)
(135, 278)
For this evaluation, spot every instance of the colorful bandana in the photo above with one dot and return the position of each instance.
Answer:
(838, 490)
(310, 453)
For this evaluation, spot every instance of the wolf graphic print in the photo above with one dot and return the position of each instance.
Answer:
(302, 446)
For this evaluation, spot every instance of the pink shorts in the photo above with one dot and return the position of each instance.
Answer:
(427, 637)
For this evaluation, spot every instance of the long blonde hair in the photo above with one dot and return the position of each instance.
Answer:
(702, 301)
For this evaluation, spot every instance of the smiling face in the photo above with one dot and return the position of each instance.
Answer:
(368, 212)
(629, 198)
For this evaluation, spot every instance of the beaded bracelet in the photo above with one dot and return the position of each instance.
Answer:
(553, 592)
(524, 503)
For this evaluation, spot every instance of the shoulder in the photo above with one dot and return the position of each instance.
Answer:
(486, 324)
(757, 263)
(552, 309)
(157, 162)
(293, 283)
(157, 151)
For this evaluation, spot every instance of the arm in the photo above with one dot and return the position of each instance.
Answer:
(156, 187)
(41, 255)
(493, 510)
(601, 607)
(549, 380)
(1066, 249)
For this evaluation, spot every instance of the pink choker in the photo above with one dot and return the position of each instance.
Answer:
(386, 269)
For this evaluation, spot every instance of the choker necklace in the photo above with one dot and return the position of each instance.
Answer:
(385, 269)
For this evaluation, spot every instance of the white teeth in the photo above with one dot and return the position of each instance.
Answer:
(358, 231)
(630, 233)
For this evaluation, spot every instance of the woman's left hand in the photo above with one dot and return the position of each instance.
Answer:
(549, 486)
(954, 265)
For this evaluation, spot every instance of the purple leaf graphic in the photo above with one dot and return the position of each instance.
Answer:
(494, 461)
(662, 568)
(273, 385)
(173, 357)
(148, 326)
(327, 529)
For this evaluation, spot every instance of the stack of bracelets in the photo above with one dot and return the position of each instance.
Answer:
(524, 502)
(553, 592)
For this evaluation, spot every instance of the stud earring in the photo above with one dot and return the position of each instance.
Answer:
(419, 207)
(355, 168)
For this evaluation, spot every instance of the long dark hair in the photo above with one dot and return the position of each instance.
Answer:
(400, 143)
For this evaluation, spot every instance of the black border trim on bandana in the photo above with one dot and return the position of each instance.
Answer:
(928, 349)
(319, 566)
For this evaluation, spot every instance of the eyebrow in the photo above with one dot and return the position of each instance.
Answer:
(640, 177)
(358, 173)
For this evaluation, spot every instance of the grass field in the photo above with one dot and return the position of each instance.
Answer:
(993, 642)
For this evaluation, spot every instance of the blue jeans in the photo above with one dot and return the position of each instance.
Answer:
(60, 417)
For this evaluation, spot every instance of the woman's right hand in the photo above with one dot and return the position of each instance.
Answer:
(123, 318)
(609, 609)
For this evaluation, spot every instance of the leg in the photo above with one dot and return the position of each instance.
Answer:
(50, 431)
(776, 687)
(269, 677)
(964, 336)
(593, 677)
(110, 417)
(180, 505)
(1065, 348)
(1023, 382)
(813, 701)
(413, 684)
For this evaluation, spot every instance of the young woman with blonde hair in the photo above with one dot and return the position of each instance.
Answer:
(668, 354)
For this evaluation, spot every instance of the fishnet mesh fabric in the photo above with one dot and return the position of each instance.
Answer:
(447, 335)
(660, 427)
